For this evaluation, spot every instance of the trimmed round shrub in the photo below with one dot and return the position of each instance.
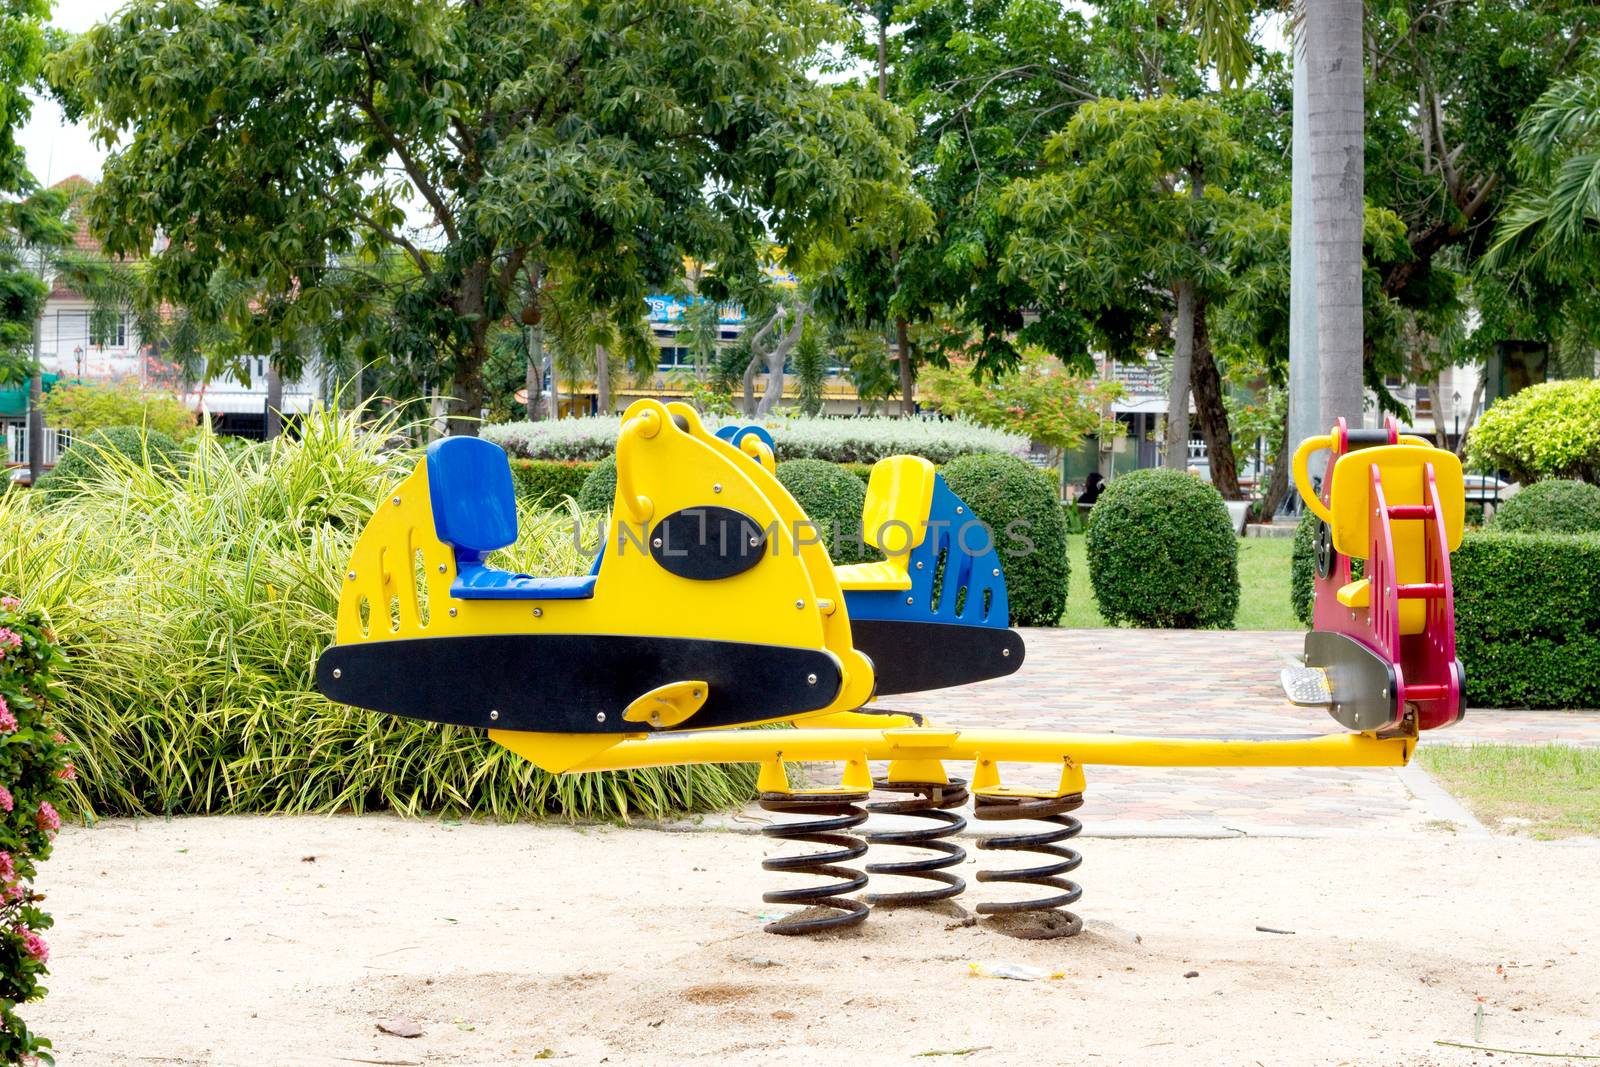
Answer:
(1021, 505)
(1551, 430)
(600, 487)
(833, 498)
(1162, 552)
(1555, 506)
(94, 451)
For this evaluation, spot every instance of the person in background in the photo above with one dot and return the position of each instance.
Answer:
(1091, 490)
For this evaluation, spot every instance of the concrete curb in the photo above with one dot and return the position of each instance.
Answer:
(1438, 801)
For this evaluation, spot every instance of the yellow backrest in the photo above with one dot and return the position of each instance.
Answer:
(1401, 468)
(899, 497)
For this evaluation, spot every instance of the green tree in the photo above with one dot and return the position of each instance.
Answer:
(598, 141)
(1123, 231)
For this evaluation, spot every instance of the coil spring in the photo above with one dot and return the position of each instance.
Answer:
(928, 800)
(835, 813)
(1040, 809)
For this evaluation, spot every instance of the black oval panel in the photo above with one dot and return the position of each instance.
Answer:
(707, 543)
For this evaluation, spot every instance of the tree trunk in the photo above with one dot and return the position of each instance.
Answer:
(1278, 483)
(1472, 414)
(273, 425)
(1177, 455)
(1438, 415)
(908, 380)
(602, 379)
(555, 382)
(780, 352)
(1335, 111)
(1206, 382)
(35, 411)
(533, 381)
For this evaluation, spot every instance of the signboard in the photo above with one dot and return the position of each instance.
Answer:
(672, 309)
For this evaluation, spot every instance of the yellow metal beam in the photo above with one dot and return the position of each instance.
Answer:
(999, 746)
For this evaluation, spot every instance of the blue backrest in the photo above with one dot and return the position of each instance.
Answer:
(474, 507)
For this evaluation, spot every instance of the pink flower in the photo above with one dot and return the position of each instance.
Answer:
(47, 819)
(8, 868)
(6, 803)
(8, 721)
(34, 945)
(10, 603)
(10, 637)
(14, 891)
(67, 773)
(59, 738)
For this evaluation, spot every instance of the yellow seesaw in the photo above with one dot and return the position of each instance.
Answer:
(714, 606)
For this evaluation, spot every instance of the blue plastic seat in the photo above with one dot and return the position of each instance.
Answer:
(475, 513)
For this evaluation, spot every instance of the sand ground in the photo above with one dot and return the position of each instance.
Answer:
(263, 941)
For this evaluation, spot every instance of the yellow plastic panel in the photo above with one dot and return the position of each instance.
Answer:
(888, 574)
(1402, 469)
(899, 497)
(1356, 594)
(806, 552)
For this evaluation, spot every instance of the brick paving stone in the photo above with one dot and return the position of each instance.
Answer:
(1171, 683)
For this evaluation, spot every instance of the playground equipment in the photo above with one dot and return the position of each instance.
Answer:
(712, 606)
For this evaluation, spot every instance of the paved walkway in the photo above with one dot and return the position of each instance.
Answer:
(1181, 682)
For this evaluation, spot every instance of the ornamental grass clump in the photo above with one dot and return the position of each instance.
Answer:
(193, 606)
(34, 771)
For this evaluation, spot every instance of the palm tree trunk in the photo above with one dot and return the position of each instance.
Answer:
(533, 378)
(1177, 457)
(1326, 257)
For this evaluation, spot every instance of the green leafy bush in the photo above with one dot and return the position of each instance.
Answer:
(862, 440)
(33, 773)
(833, 499)
(1545, 431)
(1554, 506)
(193, 607)
(83, 407)
(1528, 618)
(599, 487)
(1162, 552)
(545, 483)
(117, 446)
(1019, 502)
(1303, 567)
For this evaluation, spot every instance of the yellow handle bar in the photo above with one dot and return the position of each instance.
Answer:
(1302, 474)
(646, 424)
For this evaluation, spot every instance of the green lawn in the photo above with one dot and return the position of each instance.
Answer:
(1542, 790)
(1263, 586)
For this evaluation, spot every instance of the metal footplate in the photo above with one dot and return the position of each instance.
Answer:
(1307, 687)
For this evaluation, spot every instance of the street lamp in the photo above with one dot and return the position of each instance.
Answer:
(1455, 406)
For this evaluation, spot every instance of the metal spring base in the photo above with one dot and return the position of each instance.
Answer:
(1043, 809)
(928, 800)
(839, 812)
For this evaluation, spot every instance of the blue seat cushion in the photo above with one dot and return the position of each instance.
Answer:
(474, 506)
(486, 583)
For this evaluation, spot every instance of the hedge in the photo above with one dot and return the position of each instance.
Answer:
(600, 487)
(1554, 506)
(1020, 504)
(547, 483)
(1303, 567)
(833, 499)
(1162, 552)
(855, 440)
(34, 773)
(1527, 617)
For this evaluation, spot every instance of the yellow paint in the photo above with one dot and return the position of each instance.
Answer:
(1402, 469)
(801, 545)
(1356, 594)
(994, 746)
(661, 469)
(668, 705)
(894, 519)
(1302, 474)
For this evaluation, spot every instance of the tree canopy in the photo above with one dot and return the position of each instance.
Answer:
(299, 145)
